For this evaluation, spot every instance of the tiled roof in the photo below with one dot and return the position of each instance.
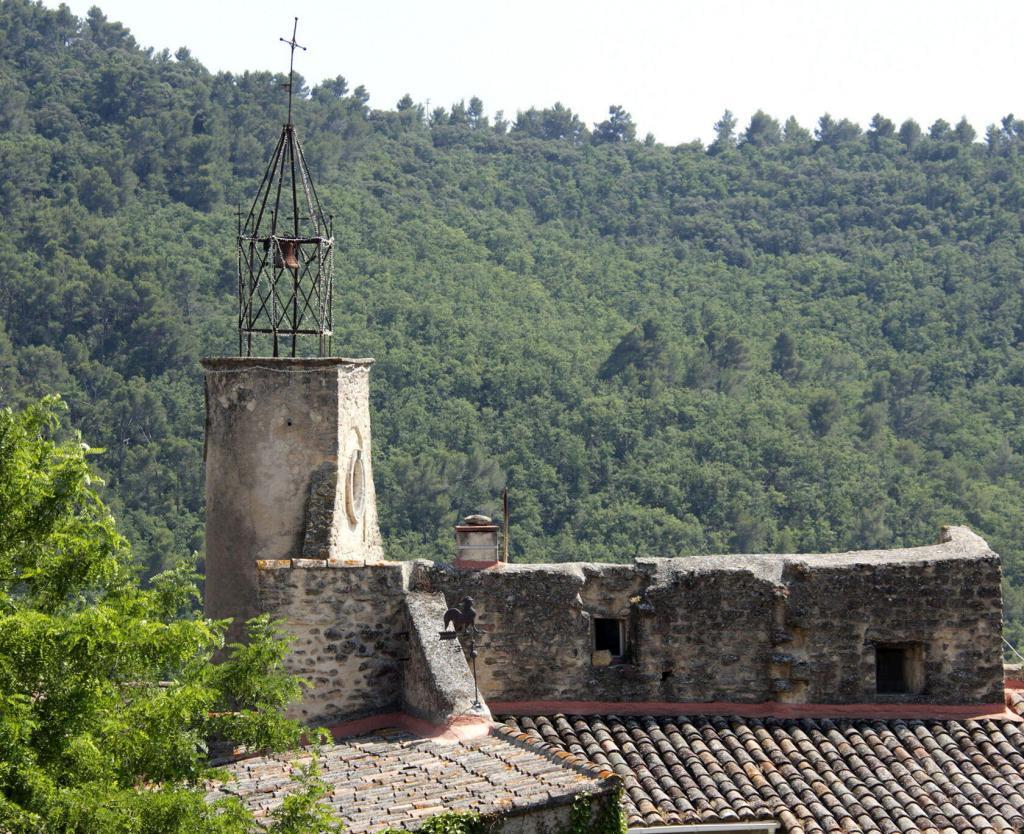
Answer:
(393, 778)
(812, 775)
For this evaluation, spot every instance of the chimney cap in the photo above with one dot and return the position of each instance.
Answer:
(476, 520)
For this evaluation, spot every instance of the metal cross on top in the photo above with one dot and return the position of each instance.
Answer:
(291, 64)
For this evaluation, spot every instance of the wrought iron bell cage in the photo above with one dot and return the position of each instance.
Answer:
(285, 254)
(285, 259)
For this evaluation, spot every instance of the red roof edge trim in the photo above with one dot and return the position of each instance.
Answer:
(763, 710)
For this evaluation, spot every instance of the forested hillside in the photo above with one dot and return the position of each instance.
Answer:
(799, 338)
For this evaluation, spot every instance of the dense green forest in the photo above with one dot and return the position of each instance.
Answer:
(797, 338)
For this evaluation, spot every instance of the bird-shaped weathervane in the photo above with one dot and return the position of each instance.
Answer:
(461, 618)
(462, 621)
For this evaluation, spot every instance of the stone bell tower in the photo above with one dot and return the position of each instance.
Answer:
(288, 463)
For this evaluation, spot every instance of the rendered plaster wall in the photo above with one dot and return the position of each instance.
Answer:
(281, 436)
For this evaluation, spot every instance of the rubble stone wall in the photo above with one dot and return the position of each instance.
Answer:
(949, 607)
(738, 628)
(793, 629)
(349, 632)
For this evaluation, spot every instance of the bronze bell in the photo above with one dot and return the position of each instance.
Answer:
(286, 254)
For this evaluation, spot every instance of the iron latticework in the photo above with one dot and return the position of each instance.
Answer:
(285, 254)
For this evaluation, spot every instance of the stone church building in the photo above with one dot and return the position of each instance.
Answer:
(847, 692)
(852, 692)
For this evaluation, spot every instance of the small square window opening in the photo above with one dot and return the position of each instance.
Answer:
(889, 676)
(609, 636)
(899, 670)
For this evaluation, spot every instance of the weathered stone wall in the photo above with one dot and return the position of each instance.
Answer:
(282, 436)
(697, 629)
(794, 629)
(548, 818)
(536, 621)
(799, 629)
(349, 630)
(437, 684)
(949, 605)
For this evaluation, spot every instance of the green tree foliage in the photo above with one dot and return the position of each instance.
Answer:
(108, 698)
(881, 131)
(833, 134)
(910, 134)
(808, 344)
(725, 133)
(784, 359)
(618, 127)
(762, 130)
(965, 134)
(558, 123)
(794, 134)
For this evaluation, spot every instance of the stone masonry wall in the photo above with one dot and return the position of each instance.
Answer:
(349, 630)
(949, 605)
(795, 629)
(798, 629)
(437, 684)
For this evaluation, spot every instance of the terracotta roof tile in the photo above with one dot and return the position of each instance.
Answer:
(395, 779)
(812, 775)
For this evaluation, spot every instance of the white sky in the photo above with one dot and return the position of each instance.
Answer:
(675, 66)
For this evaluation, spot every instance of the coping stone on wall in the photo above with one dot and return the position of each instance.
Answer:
(437, 682)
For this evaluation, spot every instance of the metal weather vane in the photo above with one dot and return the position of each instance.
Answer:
(463, 624)
(285, 251)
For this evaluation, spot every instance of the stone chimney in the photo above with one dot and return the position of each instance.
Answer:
(288, 471)
(476, 542)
